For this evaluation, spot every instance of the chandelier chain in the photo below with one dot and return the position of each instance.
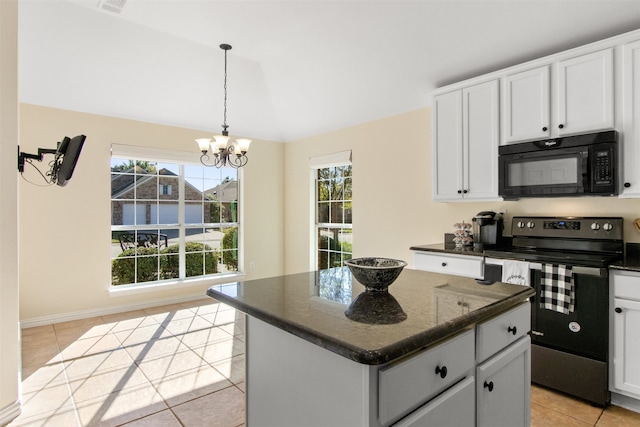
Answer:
(224, 126)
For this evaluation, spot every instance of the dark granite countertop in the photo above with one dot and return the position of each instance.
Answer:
(631, 260)
(312, 306)
(449, 248)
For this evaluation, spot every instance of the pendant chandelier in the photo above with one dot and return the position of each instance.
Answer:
(225, 151)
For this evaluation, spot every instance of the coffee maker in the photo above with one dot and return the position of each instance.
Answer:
(487, 229)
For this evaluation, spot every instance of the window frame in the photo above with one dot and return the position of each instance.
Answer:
(343, 158)
(180, 158)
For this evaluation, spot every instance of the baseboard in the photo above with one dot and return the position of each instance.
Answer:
(625, 402)
(10, 412)
(84, 314)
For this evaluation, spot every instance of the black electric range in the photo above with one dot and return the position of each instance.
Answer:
(569, 351)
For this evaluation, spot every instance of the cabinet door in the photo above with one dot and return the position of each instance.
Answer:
(481, 137)
(447, 146)
(585, 93)
(626, 346)
(526, 106)
(454, 407)
(503, 387)
(629, 150)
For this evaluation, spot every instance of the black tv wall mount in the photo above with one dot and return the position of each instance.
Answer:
(41, 152)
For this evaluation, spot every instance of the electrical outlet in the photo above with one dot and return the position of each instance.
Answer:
(252, 265)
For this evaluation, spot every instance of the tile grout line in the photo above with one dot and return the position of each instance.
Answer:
(76, 413)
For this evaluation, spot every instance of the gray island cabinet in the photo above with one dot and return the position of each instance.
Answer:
(400, 363)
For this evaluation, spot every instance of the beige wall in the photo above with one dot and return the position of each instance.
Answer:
(9, 326)
(392, 192)
(65, 231)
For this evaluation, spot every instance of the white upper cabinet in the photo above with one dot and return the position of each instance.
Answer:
(585, 93)
(465, 146)
(587, 89)
(447, 146)
(579, 99)
(527, 114)
(629, 150)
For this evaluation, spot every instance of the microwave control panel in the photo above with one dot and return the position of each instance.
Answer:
(602, 173)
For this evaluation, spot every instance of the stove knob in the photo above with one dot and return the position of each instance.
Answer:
(520, 224)
(595, 226)
(607, 226)
(531, 224)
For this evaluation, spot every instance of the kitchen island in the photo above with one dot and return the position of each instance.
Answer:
(412, 352)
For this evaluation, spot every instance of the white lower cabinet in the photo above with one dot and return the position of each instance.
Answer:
(625, 317)
(503, 387)
(497, 395)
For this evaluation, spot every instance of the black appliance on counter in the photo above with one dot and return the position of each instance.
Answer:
(569, 352)
(487, 229)
(581, 165)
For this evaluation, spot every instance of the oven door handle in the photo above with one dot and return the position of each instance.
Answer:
(577, 269)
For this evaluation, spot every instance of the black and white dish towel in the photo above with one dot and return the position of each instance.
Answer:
(557, 292)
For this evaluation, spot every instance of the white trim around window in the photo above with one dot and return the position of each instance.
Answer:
(155, 154)
(341, 158)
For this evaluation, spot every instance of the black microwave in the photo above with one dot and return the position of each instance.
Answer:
(580, 165)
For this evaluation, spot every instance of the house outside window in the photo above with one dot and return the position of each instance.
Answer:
(333, 213)
(172, 220)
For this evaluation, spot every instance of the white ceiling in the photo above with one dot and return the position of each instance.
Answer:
(297, 68)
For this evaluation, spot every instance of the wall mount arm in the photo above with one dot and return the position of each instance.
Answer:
(41, 152)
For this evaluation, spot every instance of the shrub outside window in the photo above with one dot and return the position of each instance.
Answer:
(172, 221)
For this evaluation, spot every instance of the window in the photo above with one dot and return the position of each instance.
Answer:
(171, 220)
(333, 223)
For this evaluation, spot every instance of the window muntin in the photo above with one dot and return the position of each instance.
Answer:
(172, 221)
(333, 216)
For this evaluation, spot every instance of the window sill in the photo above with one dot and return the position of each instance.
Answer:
(125, 290)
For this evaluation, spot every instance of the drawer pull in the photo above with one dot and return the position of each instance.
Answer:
(618, 310)
(513, 330)
(489, 385)
(441, 371)
(444, 264)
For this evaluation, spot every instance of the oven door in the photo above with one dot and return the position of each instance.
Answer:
(558, 172)
(585, 331)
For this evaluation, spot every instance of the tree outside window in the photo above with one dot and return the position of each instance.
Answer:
(333, 216)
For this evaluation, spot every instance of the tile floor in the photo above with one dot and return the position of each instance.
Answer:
(180, 365)
(175, 365)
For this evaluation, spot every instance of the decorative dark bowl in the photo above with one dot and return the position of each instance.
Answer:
(375, 274)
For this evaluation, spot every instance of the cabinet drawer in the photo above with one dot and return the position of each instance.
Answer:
(454, 407)
(626, 286)
(459, 265)
(405, 385)
(497, 333)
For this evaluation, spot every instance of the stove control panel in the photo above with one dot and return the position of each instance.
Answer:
(606, 228)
